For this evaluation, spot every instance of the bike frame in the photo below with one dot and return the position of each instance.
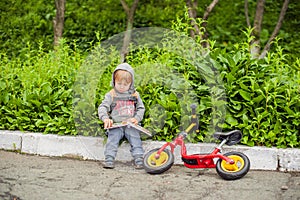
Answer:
(195, 160)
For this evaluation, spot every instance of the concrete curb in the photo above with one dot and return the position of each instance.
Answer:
(261, 158)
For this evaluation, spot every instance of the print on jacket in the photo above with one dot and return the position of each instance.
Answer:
(124, 108)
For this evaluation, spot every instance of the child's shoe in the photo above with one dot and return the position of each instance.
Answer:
(138, 163)
(109, 163)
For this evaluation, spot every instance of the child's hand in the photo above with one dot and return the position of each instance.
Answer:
(108, 123)
(134, 121)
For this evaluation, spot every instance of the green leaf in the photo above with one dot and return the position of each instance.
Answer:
(245, 95)
(250, 143)
(65, 110)
(258, 99)
(232, 121)
(46, 108)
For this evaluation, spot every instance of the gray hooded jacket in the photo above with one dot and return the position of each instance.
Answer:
(123, 109)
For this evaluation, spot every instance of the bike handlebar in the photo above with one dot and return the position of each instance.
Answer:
(194, 117)
(193, 107)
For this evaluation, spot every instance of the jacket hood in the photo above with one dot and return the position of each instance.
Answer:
(125, 67)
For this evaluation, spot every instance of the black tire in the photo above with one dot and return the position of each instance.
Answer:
(233, 171)
(160, 165)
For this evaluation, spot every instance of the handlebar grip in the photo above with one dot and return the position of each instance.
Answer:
(193, 107)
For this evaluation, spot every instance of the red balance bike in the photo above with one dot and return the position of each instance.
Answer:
(230, 166)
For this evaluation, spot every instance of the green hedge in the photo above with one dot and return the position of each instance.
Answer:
(59, 92)
(36, 93)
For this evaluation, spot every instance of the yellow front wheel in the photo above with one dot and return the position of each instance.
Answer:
(158, 165)
(234, 171)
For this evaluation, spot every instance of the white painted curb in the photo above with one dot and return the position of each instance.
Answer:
(261, 158)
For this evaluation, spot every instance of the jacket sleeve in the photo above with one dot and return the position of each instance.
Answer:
(140, 109)
(104, 108)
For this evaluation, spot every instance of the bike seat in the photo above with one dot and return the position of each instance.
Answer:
(233, 137)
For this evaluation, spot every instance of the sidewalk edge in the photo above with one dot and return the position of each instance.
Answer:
(86, 147)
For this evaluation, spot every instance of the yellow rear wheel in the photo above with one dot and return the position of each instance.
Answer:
(234, 171)
(237, 166)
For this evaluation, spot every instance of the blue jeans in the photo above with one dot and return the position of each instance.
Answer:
(114, 137)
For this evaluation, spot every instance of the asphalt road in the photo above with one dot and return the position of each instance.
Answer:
(30, 177)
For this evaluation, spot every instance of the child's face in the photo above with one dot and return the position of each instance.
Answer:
(122, 86)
